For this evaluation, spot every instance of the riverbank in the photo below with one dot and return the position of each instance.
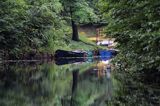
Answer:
(48, 52)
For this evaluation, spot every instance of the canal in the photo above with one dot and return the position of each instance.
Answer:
(94, 82)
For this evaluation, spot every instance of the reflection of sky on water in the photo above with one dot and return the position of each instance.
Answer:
(94, 86)
(105, 61)
(103, 69)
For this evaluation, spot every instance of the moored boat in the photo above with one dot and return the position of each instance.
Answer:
(69, 54)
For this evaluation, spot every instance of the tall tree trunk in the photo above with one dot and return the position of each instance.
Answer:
(75, 35)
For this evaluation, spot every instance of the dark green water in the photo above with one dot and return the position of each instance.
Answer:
(80, 84)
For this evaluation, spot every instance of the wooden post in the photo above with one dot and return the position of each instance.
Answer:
(97, 35)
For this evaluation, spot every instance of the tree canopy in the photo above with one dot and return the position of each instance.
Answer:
(79, 12)
(136, 26)
(27, 25)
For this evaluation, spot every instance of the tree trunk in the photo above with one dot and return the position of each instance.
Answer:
(75, 35)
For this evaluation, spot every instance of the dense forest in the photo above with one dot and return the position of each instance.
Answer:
(43, 25)
(136, 26)
(40, 27)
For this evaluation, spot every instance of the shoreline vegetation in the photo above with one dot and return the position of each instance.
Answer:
(83, 44)
(42, 27)
(29, 27)
(32, 30)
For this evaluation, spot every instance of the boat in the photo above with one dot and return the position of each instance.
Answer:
(107, 54)
(69, 54)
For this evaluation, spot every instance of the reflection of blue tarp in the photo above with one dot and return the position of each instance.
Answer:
(105, 55)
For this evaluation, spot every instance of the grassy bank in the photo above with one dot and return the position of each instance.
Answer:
(83, 44)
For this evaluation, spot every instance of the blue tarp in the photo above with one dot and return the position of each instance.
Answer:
(105, 55)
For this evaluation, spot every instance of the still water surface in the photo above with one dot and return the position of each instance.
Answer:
(92, 83)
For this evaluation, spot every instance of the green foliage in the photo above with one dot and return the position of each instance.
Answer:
(28, 25)
(79, 10)
(12, 18)
(43, 25)
(136, 26)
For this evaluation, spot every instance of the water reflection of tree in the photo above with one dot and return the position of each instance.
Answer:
(75, 74)
(92, 90)
(37, 85)
(132, 92)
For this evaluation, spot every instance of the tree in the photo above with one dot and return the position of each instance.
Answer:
(135, 25)
(28, 25)
(79, 11)
(12, 17)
